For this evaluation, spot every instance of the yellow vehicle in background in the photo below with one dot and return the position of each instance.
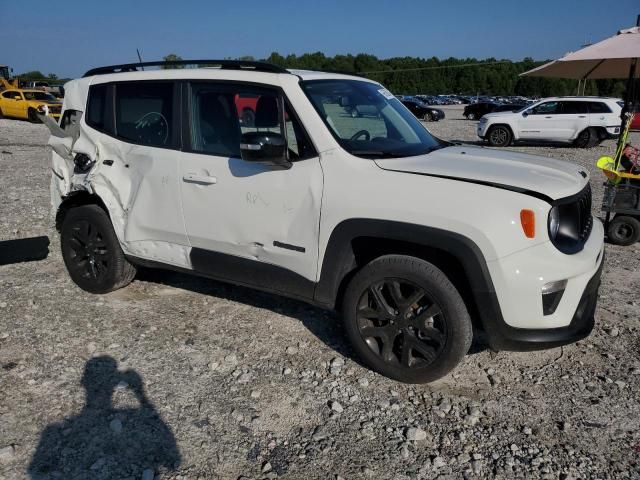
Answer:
(27, 104)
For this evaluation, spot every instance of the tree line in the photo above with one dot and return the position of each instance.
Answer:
(429, 76)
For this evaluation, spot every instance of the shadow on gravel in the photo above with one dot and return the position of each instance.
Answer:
(323, 324)
(104, 442)
(24, 250)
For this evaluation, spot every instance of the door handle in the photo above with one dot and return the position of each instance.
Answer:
(582, 116)
(202, 179)
(548, 116)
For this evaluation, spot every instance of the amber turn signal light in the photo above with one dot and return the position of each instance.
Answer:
(528, 221)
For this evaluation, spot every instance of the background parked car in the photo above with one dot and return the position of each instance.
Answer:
(583, 121)
(27, 104)
(474, 111)
(422, 110)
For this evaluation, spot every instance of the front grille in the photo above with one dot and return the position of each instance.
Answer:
(585, 219)
(576, 221)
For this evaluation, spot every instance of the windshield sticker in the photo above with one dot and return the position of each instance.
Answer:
(386, 93)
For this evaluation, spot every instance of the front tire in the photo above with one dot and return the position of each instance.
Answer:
(91, 251)
(406, 320)
(472, 116)
(33, 116)
(427, 117)
(499, 136)
(623, 230)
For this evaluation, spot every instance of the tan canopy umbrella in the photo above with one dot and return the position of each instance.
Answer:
(614, 57)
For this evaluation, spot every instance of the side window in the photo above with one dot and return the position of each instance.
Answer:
(546, 108)
(97, 110)
(144, 113)
(574, 108)
(598, 107)
(221, 113)
(298, 142)
(13, 95)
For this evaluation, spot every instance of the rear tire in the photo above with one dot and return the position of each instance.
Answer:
(1, 114)
(588, 138)
(499, 136)
(406, 320)
(33, 116)
(91, 251)
(623, 230)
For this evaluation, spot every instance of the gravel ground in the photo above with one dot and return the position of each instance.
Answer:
(179, 377)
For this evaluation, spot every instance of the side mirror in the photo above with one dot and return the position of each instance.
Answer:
(264, 147)
(525, 113)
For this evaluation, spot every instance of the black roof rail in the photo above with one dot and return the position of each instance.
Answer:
(223, 64)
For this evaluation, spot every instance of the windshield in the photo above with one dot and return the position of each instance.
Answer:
(44, 96)
(368, 120)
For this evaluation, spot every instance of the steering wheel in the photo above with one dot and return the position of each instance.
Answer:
(361, 133)
(153, 128)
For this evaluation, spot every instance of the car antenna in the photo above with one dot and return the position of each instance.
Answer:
(140, 59)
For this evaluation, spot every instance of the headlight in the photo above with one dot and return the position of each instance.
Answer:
(483, 120)
(40, 108)
(554, 223)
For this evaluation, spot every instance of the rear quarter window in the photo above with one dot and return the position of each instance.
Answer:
(98, 112)
(599, 107)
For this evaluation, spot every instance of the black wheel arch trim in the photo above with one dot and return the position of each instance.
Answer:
(339, 259)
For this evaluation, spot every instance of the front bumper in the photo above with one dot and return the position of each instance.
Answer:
(613, 131)
(505, 337)
(518, 321)
(481, 130)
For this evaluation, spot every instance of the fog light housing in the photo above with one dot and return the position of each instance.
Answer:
(551, 295)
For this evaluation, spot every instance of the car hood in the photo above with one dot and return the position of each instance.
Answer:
(546, 177)
(499, 114)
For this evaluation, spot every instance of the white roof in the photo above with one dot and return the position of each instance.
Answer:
(587, 98)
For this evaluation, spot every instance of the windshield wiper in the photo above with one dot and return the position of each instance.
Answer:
(372, 153)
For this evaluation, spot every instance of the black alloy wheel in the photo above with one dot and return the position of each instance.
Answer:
(91, 251)
(89, 254)
(401, 323)
(405, 319)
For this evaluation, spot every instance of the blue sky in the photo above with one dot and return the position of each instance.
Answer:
(70, 36)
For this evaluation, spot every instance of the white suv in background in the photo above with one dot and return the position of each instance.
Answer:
(414, 239)
(584, 121)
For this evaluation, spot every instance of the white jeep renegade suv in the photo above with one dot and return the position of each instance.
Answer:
(414, 239)
(584, 121)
